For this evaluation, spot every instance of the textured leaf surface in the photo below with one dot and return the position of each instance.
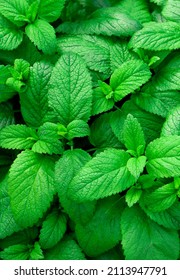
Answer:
(10, 36)
(136, 165)
(129, 77)
(172, 123)
(133, 135)
(132, 196)
(34, 103)
(66, 249)
(17, 137)
(156, 101)
(70, 94)
(93, 49)
(102, 176)
(6, 115)
(105, 224)
(171, 10)
(77, 128)
(15, 252)
(31, 186)
(157, 36)
(7, 222)
(13, 8)
(50, 10)
(42, 34)
(100, 103)
(118, 24)
(78, 212)
(48, 140)
(53, 229)
(143, 239)
(163, 156)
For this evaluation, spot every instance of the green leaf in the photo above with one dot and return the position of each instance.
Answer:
(129, 77)
(101, 134)
(6, 215)
(136, 9)
(119, 54)
(78, 212)
(10, 36)
(160, 199)
(133, 135)
(102, 176)
(168, 75)
(50, 10)
(118, 24)
(6, 115)
(157, 102)
(31, 186)
(15, 252)
(170, 218)
(163, 156)
(77, 128)
(48, 140)
(93, 49)
(136, 165)
(17, 137)
(143, 239)
(172, 124)
(70, 93)
(171, 10)
(133, 195)
(36, 253)
(105, 224)
(100, 102)
(11, 9)
(66, 249)
(34, 103)
(5, 91)
(157, 36)
(42, 34)
(53, 229)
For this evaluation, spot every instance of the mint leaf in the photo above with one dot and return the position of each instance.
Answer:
(78, 212)
(171, 10)
(53, 229)
(136, 165)
(157, 36)
(15, 252)
(10, 36)
(36, 252)
(101, 102)
(34, 103)
(129, 77)
(105, 222)
(118, 24)
(66, 249)
(172, 124)
(156, 242)
(31, 186)
(50, 10)
(48, 140)
(163, 156)
(133, 135)
(17, 137)
(84, 45)
(42, 34)
(133, 195)
(6, 92)
(70, 94)
(102, 176)
(160, 199)
(77, 128)
(6, 115)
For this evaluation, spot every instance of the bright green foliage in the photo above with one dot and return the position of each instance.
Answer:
(119, 24)
(163, 156)
(70, 94)
(53, 229)
(125, 79)
(17, 137)
(105, 222)
(89, 130)
(155, 243)
(104, 175)
(157, 36)
(31, 186)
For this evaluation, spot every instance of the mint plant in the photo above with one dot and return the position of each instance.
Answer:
(89, 130)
